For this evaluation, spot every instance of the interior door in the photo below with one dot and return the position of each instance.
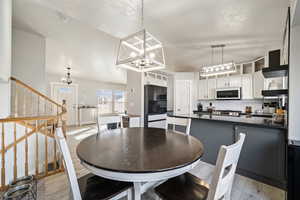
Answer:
(183, 96)
(62, 92)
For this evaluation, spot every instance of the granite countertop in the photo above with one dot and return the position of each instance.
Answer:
(243, 119)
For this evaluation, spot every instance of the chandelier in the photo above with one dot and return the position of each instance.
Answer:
(219, 69)
(141, 51)
(67, 78)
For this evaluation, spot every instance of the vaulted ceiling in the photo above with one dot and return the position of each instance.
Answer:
(187, 28)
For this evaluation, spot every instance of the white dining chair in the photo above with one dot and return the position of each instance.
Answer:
(176, 121)
(190, 187)
(90, 186)
(103, 121)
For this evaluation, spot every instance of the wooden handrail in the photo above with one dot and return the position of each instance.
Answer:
(35, 91)
(19, 119)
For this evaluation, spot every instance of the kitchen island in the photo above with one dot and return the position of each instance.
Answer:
(263, 156)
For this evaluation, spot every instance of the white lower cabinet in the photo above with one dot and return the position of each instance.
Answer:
(247, 89)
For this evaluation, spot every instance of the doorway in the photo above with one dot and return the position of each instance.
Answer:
(60, 92)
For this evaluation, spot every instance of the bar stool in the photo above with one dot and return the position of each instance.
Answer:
(20, 192)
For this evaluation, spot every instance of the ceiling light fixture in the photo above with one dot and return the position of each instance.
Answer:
(220, 69)
(67, 79)
(141, 51)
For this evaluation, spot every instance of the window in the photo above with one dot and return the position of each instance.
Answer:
(119, 102)
(111, 101)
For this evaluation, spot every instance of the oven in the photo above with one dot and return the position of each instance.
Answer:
(228, 93)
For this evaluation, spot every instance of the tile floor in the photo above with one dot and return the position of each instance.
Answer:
(57, 188)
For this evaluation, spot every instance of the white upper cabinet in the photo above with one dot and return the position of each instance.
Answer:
(222, 82)
(247, 89)
(211, 88)
(258, 84)
(232, 81)
(235, 81)
(202, 89)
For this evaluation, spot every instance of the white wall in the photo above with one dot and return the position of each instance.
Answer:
(5, 56)
(294, 101)
(28, 58)
(87, 89)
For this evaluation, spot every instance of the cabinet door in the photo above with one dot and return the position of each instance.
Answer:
(211, 88)
(202, 91)
(247, 89)
(263, 152)
(235, 81)
(222, 82)
(182, 96)
(258, 84)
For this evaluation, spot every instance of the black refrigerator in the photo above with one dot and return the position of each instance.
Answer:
(293, 170)
(155, 106)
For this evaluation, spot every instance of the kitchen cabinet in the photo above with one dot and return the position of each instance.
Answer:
(247, 89)
(258, 84)
(232, 81)
(222, 82)
(263, 152)
(203, 89)
(211, 88)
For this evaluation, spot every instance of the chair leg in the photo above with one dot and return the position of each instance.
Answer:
(129, 194)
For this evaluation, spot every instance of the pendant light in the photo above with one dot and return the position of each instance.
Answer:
(219, 69)
(141, 51)
(67, 79)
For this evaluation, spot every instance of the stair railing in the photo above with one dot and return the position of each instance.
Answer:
(27, 144)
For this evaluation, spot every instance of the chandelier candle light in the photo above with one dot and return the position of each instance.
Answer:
(67, 79)
(141, 51)
(224, 68)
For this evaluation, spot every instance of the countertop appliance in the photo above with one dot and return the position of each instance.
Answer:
(293, 166)
(228, 93)
(199, 107)
(155, 106)
(232, 113)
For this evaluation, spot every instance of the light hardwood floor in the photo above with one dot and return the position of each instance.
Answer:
(57, 188)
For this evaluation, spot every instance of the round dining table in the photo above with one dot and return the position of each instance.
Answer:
(144, 156)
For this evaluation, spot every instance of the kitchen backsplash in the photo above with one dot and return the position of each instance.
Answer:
(233, 105)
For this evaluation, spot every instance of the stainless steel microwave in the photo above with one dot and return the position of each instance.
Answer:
(228, 93)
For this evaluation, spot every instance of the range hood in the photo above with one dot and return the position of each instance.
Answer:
(273, 72)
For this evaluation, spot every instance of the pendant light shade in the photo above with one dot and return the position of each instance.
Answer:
(218, 69)
(141, 51)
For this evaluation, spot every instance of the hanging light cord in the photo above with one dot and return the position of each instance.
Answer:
(142, 13)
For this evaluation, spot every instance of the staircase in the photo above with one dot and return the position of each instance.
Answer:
(27, 144)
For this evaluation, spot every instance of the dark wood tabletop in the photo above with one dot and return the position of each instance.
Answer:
(139, 150)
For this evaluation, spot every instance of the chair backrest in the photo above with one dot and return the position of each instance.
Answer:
(64, 149)
(224, 172)
(180, 122)
(110, 119)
